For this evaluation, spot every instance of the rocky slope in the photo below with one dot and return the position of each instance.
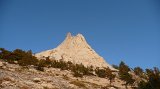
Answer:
(13, 76)
(76, 50)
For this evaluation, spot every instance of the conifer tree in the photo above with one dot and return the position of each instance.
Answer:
(124, 74)
(110, 75)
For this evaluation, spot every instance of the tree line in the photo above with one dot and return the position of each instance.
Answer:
(150, 78)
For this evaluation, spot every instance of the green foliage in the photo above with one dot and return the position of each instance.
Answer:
(101, 72)
(124, 75)
(19, 54)
(44, 62)
(139, 72)
(110, 75)
(144, 85)
(79, 70)
(24, 58)
(6, 55)
(154, 78)
(153, 81)
(59, 64)
(28, 60)
(123, 68)
(77, 73)
(40, 68)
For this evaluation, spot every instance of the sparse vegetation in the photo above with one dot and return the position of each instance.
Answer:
(101, 72)
(124, 74)
(150, 78)
(110, 75)
(79, 84)
(24, 58)
(153, 81)
(138, 71)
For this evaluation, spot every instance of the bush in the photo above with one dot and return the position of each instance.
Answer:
(78, 70)
(153, 78)
(25, 61)
(138, 71)
(7, 55)
(40, 68)
(109, 75)
(124, 75)
(24, 58)
(100, 72)
(144, 85)
(28, 59)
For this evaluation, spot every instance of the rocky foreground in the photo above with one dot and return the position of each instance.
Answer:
(13, 76)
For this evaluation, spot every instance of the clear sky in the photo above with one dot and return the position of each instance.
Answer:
(127, 30)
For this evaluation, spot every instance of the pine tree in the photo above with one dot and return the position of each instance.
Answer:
(124, 74)
(110, 75)
(138, 71)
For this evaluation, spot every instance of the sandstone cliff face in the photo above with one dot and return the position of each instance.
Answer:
(76, 50)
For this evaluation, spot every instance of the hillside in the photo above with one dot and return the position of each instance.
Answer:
(13, 76)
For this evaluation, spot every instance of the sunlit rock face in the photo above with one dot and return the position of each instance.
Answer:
(76, 50)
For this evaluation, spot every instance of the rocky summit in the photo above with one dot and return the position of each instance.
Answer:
(77, 50)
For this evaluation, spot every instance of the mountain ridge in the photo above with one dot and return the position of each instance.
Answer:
(77, 50)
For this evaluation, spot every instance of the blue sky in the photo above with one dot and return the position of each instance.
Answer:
(116, 29)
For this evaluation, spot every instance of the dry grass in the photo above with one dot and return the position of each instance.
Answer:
(92, 84)
(24, 87)
(79, 84)
(65, 77)
(49, 88)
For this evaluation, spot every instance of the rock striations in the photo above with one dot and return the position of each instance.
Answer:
(76, 50)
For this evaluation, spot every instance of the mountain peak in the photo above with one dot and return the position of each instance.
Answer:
(77, 50)
(78, 36)
(69, 35)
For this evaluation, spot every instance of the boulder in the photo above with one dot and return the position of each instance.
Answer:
(36, 80)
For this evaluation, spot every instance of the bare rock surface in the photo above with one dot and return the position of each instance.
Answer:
(77, 50)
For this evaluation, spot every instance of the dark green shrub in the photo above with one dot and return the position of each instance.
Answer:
(77, 74)
(44, 62)
(153, 79)
(109, 75)
(124, 75)
(144, 85)
(25, 61)
(138, 71)
(59, 64)
(28, 59)
(6, 55)
(78, 70)
(24, 58)
(20, 54)
(100, 72)
(40, 68)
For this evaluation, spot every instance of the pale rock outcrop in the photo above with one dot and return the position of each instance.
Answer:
(1, 64)
(76, 50)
